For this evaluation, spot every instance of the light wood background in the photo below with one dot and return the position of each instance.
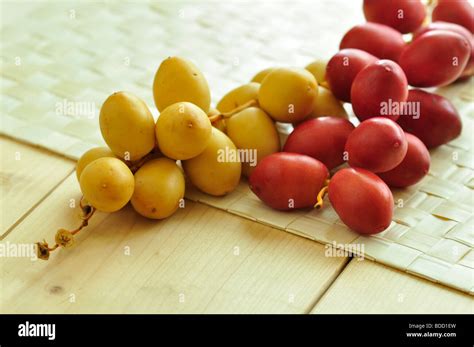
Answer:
(201, 260)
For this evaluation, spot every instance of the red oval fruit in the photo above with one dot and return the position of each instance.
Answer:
(362, 200)
(343, 67)
(435, 58)
(455, 11)
(321, 138)
(286, 181)
(377, 39)
(438, 121)
(377, 88)
(377, 144)
(469, 69)
(443, 26)
(413, 167)
(402, 15)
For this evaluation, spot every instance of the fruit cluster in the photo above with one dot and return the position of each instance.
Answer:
(373, 71)
(147, 163)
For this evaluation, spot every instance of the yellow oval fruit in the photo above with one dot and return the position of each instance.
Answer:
(216, 171)
(220, 124)
(238, 96)
(318, 70)
(262, 74)
(159, 188)
(287, 94)
(326, 104)
(177, 80)
(255, 132)
(91, 155)
(183, 130)
(107, 184)
(127, 126)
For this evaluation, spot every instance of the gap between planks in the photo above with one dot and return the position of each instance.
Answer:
(330, 284)
(29, 175)
(32, 208)
(375, 288)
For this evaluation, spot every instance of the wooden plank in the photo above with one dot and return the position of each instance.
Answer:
(369, 287)
(27, 174)
(200, 260)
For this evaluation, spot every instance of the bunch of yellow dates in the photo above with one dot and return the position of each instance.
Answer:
(146, 162)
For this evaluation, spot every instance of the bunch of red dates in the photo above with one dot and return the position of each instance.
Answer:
(379, 70)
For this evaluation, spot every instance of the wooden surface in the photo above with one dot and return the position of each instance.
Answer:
(28, 174)
(200, 260)
(368, 287)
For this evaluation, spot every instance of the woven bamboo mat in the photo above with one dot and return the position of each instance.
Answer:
(60, 60)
